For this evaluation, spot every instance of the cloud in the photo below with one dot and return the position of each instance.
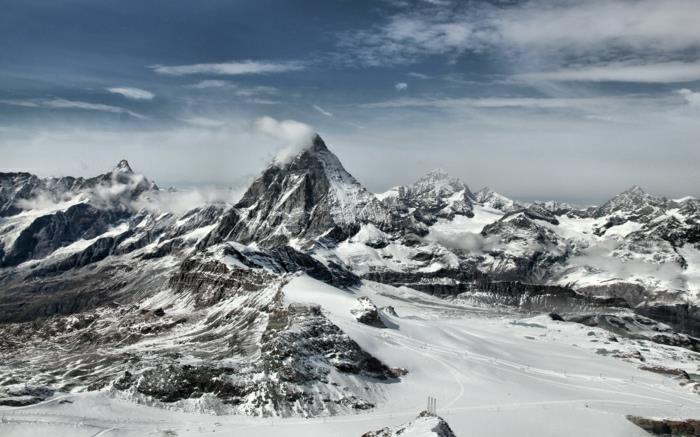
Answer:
(489, 102)
(229, 68)
(58, 103)
(204, 122)
(407, 37)
(120, 192)
(401, 86)
(43, 200)
(132, 93)
(418, 75)
(692, 97)
(666, 72)
(323, 111)
(631, 24)
(181, 154)
(538, 31)
(295, 135)
(460, 240)
(211, 83)
(251, 94)
(179, 202)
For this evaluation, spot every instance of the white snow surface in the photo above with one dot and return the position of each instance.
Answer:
(493, 373)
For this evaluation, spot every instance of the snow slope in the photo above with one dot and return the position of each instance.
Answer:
(493, 373)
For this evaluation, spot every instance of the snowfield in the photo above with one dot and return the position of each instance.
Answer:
(494, 373)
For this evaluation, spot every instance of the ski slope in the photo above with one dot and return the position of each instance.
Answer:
(493, 373)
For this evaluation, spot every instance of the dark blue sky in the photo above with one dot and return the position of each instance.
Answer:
(538, 99)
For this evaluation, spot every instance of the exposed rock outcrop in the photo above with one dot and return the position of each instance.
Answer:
(425, 425)
(367, 313)
(667, 427)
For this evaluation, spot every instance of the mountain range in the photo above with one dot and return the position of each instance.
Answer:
(102, 290)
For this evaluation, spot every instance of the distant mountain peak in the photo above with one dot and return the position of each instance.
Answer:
(435, 194)
(123, 167)
(437, 173)
(492, 199)
(441, 180)
(634, 189)
(632, 200)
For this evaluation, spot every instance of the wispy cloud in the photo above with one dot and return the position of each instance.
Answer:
(259, 94)
(211, 83)
(418, 75)
(651, 34)
(204, 122)
(692, 97)
(401, 86)
(613, 109)
(295, 135)
(323, 111)
(490, 102)
(132, 93)
(229, 68)
(71, 104)
(665, 72)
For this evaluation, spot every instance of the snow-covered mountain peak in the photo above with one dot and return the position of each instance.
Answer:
(634, 200)
(308, 196)
(435, 194)
(314, 159)
(634, 193)
(438, 180)
(491, 199)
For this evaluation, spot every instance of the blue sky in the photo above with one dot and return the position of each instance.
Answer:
(537, 99)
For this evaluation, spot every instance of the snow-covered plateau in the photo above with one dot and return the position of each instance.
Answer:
(311, 306)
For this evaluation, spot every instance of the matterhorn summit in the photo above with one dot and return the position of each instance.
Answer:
(301, 198)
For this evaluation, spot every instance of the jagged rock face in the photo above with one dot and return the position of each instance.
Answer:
(637, 327)
(19, 190)
(308, 197)
(469, 284)
(221, 313)
(556, 208)
(682, 317)
(281, 260)
(307, 333)
(15, 187)
(50, 232)
(76, 209)
(671, 229)
(88, 249)
(524, 248)
(667, 427)
(534, 212)
(435, 195)
(425, 425)
(367, 313)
